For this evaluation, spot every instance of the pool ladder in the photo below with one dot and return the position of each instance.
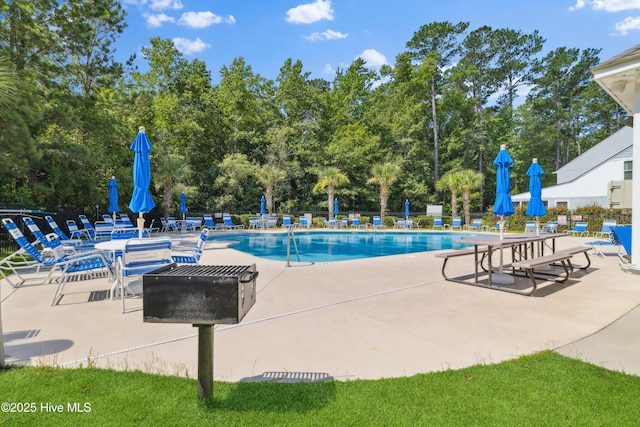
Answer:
(291, 238)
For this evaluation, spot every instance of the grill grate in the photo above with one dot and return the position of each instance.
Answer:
(205, 270)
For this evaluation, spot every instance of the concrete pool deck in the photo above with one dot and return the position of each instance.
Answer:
(370, 318)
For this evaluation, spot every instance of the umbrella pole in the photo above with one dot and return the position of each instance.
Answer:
(500, 277)
(140, 224)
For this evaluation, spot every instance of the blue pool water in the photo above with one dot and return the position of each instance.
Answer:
(340, 246)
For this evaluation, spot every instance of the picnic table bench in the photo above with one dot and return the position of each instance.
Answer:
(576, 250)
(528, 265)
(462, 252)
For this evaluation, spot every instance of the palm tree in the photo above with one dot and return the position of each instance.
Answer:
(269, 176)
(469, 180)
(449, 182)
(384, 174)
(329, 177)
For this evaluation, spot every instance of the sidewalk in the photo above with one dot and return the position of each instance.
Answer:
(373, 318)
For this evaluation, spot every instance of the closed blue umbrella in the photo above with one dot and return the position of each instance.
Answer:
(141, 200)
(406, 208)
(262, 201)
(536, 206)
(335, 207)
(113, 196)
(503, 205)
(183, 204)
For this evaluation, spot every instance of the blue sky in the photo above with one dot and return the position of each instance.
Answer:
(327, 34)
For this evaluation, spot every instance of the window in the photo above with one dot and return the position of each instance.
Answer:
(562, 205)
(628, 169)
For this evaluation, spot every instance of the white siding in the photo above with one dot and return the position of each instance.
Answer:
(589, 189)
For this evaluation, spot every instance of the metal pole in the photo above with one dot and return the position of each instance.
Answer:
(288, 247)
(1, 340)
(205, 361)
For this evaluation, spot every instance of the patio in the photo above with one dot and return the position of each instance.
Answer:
(385, 317)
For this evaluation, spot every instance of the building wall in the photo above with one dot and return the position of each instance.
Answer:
(589, 189)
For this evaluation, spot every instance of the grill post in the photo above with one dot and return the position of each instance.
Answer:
(205, 361)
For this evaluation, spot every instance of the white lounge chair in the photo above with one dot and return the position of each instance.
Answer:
(184, 255)
(607, 225)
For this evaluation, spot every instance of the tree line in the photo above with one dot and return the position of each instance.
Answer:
(69, 112)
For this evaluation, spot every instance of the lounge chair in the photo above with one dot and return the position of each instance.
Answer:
(172, 223)
(184, 255)
(623, 234)
(84, 265)
(81, 244)
(579, 229)
(108, 219)
(355, 222)
(598, 245)
(286, 221)
(151, 227)
(254, 222)
(124, 218)
(377, 222)
(607, 225)
(551, 227)
(210, 223)
(330, 223)
(437, 223)
(103, 230)
(476, 225)
(228, 223)
(193, 223)
(88, 226)
(398, 223)
(168, 224)
(76, 232)
(304, 222)
(56, 228)
(140, 256)
(530, 227)
(48, 245)
(272, 222)
(455, 223)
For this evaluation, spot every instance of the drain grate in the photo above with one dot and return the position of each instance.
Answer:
(98, 295)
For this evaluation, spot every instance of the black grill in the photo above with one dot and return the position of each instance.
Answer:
(199, 294)
(204, 270)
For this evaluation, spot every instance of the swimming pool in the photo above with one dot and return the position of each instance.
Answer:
(323, 246)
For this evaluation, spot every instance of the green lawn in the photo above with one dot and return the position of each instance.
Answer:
(545, 389)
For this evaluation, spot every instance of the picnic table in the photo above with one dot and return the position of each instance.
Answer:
(527, 256)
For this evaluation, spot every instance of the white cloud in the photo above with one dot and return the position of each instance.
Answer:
(607, 5)
(165, 4)
(328, 69)
(628, 24)
(327, 35)
(203, 19)
(155, 21)
(373, 58)
(189, 47)
(579, 5)
(310, 12)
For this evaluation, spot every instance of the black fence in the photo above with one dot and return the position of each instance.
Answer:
(61, 215)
